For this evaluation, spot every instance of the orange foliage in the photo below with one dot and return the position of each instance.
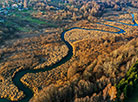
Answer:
(112, 92)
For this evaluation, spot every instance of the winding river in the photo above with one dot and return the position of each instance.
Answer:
(28, 92)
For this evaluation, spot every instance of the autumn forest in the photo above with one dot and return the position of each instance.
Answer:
(68, 50)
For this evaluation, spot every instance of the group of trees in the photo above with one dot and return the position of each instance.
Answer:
(86, 5)
(25, 3)
(6, 32)
(8, 3)
(95, 83)
(81, 9)
(128, 84)
(75, 9)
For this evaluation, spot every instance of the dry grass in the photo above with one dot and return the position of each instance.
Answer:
(33, 53)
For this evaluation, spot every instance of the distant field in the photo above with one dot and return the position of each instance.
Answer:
(24, 21)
